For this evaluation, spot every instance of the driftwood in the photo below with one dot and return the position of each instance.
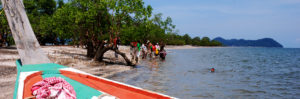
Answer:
(27, 45)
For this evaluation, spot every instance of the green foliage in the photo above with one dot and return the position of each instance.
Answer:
(196, 41)
(215, 43)
(93, 21)
(40, 15)
(205, 41)
(187, 39)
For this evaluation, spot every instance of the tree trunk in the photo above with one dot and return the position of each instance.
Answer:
(90, 49)
(130, 63)
(28, 47)
(101, 50)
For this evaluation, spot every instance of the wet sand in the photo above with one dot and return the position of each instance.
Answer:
(67, 56)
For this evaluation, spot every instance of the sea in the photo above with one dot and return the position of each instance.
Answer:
(240, 73)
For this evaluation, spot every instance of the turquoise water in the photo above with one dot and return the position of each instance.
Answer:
(240, 73)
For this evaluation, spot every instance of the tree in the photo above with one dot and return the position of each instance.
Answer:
(187, 39)
(215, 43)
(40, 15)
(196, 41)
(205, 41)
(93, 22)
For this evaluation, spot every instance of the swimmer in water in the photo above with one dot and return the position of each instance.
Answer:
(212, 70)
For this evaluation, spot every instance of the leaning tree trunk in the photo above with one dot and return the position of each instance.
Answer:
(28, 47)
(130, 63)
(102, 49)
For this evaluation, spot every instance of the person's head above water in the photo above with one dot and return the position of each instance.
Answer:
(212, 70)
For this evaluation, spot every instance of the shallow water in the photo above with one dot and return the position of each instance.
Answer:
(240, 73)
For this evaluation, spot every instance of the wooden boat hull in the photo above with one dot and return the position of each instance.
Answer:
(85, 85)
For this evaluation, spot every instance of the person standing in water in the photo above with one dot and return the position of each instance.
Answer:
(116, 42)
(157, 49)
(138, 52)
(153, 50)
(144, 51)
(162, 52)
(133, 49)
(149, 47)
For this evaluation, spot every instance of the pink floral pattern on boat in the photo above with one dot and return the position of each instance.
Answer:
(53, 88)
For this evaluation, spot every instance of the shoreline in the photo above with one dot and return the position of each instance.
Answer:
(68, 56)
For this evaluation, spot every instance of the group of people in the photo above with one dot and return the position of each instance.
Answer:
(145, 49)
(138, 49)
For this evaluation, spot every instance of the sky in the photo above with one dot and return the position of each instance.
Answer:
(235, 19)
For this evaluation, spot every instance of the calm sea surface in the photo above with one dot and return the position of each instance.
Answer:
(240, 73)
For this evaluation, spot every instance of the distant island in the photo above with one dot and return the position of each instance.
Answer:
(265, 42)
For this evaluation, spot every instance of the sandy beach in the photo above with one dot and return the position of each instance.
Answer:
(67, 56)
